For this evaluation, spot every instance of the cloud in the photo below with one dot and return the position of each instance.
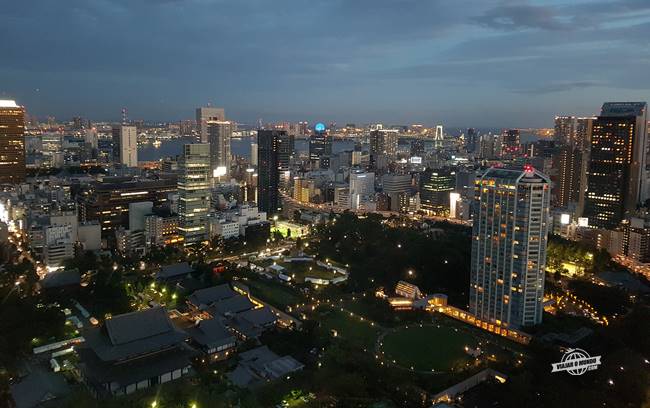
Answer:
(349, 57)
(518, 17)
(560, 86)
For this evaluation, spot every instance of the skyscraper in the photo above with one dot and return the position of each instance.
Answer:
(320, 146)
(510, 143)
(509, 246)
(253, 160)
(472, 142)
(285, 153)
(571, 137)
(194, 192)
(203, 115)
(383, 142)
(125, 145)
(12, 142)
(435, 186)
(219, 134)
(362, 188)
(268, 161)
(616, 181)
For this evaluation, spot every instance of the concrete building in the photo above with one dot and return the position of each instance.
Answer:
(320, 147)
(137, 213)
(90, 235)
(269, 167)
(362, 188)
(194, 193)
(219, 135)
(384, 142)
(205, 114)
(125, 145)
(617, 177)
(435, 186)
(509, 240)
(12, 142)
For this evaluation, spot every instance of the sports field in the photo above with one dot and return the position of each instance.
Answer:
(427, 348)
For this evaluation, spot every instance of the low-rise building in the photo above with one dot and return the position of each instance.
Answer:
(133, 351)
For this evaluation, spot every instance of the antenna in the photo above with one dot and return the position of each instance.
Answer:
(124, 116)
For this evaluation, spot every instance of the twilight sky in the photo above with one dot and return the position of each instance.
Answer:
(482, 63)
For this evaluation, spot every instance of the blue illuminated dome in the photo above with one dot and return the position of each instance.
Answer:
(320, 127)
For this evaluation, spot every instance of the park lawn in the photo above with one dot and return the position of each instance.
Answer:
(427, 347)
(275, 293)
(301, 270)
(349, 328)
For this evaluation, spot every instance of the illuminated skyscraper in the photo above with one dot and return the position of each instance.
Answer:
(572, 136)
(320, 146)
(12, 142)
(472, 143)
(384, 142)
(194, 192)
(125, 145)
(509, 246)
(205, 114)
(219, 134)
(510, 143)
(616, 181)
(435, 186)
(268, 161)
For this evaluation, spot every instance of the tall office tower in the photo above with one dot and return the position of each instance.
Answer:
(320, 146)
(268, 162)
(383, 142)
(185, 127)
(565, 130)
(395, 187)
(616, 181)
(362, 188)
(219, 134)
(571, 137)
(509, 246)
(510, 143)
(205, 114)
(125, 145)
(435, 186)
(490, 146)
(253, 161)
(12, 142)
(194, 193)
(285, 154)
(472, 142)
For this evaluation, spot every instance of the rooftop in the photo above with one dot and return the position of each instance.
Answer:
(174, 270)
(208, 296)
(133, 334)
(8, 103)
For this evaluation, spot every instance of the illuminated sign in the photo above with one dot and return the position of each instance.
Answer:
(565, 219)
(319, 127)
(583, 222)
(416, 160)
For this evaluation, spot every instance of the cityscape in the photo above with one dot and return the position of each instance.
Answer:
(257, 250)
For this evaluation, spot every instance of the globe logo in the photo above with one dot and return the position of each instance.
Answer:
(576, 362)
(320, 127)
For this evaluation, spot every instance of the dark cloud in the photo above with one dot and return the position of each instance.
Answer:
(517, 17)
(353, 60)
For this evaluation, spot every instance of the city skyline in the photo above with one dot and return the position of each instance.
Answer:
(439, 62)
